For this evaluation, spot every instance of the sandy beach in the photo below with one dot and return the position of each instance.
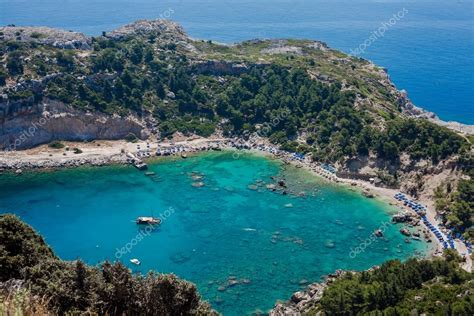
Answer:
(103, 152)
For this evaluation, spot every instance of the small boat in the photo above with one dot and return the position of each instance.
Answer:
(135, 261)
(184, 155)
(140, 165)
(144, 220)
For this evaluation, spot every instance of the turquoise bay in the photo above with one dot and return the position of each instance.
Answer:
(270, 243)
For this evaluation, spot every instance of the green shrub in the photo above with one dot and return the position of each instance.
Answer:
(37, 35)
(131, 138)
(56, 145)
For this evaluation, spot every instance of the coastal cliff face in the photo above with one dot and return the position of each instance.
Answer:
(27, 124)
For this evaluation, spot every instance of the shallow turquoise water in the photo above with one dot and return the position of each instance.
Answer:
(223, 229)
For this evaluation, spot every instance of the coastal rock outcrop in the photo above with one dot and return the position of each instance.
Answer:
(412, 110)
(165, 29)
(402, 218)
(24, 125)
(46, 36)
(302, 301)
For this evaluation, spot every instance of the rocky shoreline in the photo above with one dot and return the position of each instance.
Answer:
(116, 153)
(301, 301)
(420, 113)
(20, 166)
(307, 299)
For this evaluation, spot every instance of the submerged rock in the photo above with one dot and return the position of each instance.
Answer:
(298, 241)
(198, 184)
(180, 258)
(232, 282)
(303, 282)
(271, 187)
(405, 232)
(258, 312)
(368, 194)
(329, 244)
(282, 183)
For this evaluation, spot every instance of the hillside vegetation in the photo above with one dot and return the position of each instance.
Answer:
(435, 287)
(414, 287)
(325, 102)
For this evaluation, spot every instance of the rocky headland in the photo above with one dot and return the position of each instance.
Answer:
(23, 102)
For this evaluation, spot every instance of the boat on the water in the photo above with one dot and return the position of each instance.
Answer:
(140, 165)
(135, 261)
(137, 162)
(148, 220)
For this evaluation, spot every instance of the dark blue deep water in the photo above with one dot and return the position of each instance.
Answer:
(429, 52)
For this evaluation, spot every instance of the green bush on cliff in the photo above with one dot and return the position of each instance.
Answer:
(74, 287)
(21, 247)
(15, 64)
(457, 206)
(56, 145)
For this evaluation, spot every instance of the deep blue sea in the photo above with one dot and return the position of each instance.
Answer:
(429, 51)
(232, 229)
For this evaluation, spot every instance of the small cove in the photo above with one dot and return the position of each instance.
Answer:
(243, 245)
